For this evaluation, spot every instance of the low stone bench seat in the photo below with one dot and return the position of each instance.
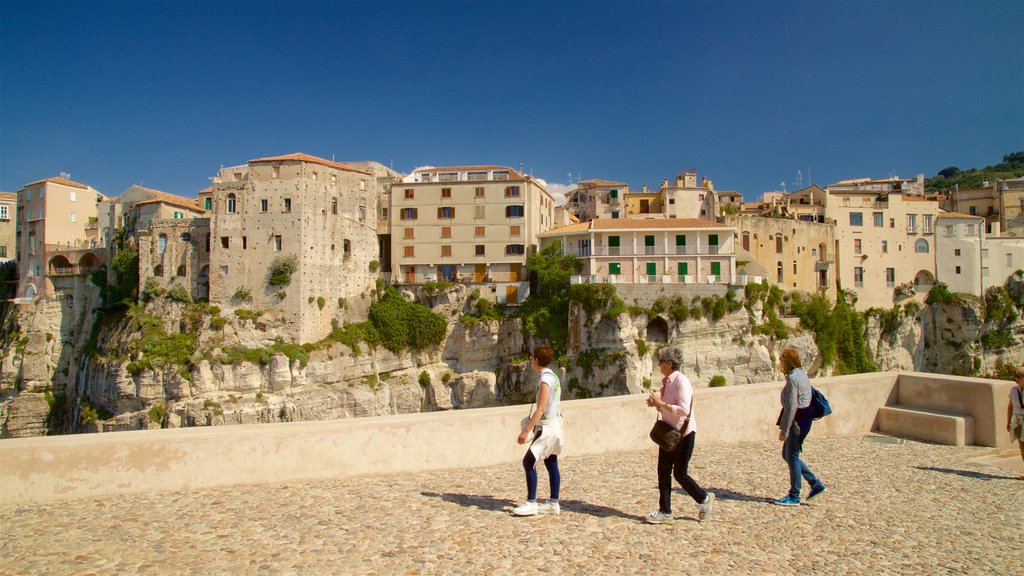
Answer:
(949, 428)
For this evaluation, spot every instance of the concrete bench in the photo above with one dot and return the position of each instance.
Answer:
(936, 426)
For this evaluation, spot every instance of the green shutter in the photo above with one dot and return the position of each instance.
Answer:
(613, 241)
(680, 239)
(652, 268)
(684, 268)
(649, 241)
(614, 268)
(713, 239)
(716, 268)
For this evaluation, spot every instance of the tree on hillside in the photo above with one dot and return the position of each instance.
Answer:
(545, 312)
(950, 177)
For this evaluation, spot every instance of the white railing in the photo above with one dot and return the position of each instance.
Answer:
(656, 279)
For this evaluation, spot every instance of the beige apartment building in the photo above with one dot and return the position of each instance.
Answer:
(1001, 204)
(8, 225)
(650, 251)
(313, 215)
(959, 239)
(52, 240)
(885, 239)
(473, 224)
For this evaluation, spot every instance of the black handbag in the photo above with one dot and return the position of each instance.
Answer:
(667, 437)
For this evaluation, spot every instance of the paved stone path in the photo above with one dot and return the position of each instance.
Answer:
(891, 508)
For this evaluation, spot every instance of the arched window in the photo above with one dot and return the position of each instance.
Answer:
(778, 270)
(30, 292)
(921, 246)
(181, 270)
(778, 243)
(231, 203)
(158, 270)
(161, 243)
(746, 240)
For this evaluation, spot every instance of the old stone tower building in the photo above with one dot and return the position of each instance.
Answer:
(296, 234)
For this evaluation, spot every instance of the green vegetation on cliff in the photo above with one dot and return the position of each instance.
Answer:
(951, 177)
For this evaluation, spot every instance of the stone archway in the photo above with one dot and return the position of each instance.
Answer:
(59, 266)
(657, 330)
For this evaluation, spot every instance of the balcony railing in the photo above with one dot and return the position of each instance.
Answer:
(72, 270)
(663, 279)
(461, 278)
(649, 251)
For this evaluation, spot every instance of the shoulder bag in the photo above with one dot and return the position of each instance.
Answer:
(667, 437)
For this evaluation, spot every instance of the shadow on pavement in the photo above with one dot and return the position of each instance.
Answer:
(473, 501)
(966, 473)
(729, 495)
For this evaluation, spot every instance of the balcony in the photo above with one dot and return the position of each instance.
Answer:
(823, 265)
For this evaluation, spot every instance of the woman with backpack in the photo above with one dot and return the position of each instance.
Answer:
(1015, 411)
(794, 424)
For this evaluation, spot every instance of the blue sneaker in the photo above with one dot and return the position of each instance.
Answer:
(815, 492)
(788, 501)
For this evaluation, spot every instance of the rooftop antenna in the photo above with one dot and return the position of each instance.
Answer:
(65, 175)
(783, 184)
(570, 178)
(799, 179)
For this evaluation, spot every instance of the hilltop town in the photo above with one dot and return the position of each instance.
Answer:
(306, 245)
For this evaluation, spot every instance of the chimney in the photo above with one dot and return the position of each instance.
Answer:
(664, 183)
(645, 187)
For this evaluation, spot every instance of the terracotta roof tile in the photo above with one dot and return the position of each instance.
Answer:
(957, 215)
(300, 157)
(168, 198)
(58, 180)
(8, 196)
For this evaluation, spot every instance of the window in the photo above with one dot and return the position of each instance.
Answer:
(1009, 260)
(614, 268)
(682, 268)
(232, 203)
(410, 233)
(716, 268)
(223, 269)
(856, 219)
(984, 253)
(892, 222)
(648, 244)
(410, 251)
(207, 242)
(921, 246)
(287, 204)
(179, 215)
(264, 205)
(479, 192)
(778, 272)
(856, 246)
(409, 213)
(480, 250)
(334, 205)
(334, 179)
(515, 211)
(277, 243)
(973, 210)
(858, 277)
(479, 231)
(446, 232)
(3, 251)
(446, 250)
(778, 243)
(245, 242)
(878, 219)
(72, 217)
(968, 228)
(615, 214)
(158, 270)
(161, 244)
(73, 196)
(446, 192)
(208, 202)
(515, 250)
(276, 171)
(984, 270)
(890, 277)
(446, 212)
(181, 270)
(316, 175)
(958, 270)
(410, 194)
(956, 252)
(362, 213)
(478, 212)
(911, 223)
(613, 245)
(512, 192)
(225, 242)
(885, 246)
(42, 213)
(514, 230)
(927, 224)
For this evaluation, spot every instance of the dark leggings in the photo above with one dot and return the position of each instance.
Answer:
(530, 465)
(679, 460)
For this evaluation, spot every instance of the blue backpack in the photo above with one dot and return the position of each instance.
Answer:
(819, 404)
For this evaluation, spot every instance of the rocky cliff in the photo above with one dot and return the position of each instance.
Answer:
(59, 378)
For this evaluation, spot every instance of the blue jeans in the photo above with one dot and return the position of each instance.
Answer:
(797, 469)
(554, 478)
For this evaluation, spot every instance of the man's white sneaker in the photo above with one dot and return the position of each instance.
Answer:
(550, 507)
(658, 517)
(705, 508)
(526, 509)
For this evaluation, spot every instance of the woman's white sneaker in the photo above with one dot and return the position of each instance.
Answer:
(658, 517)
(550, 507)
(526, 509)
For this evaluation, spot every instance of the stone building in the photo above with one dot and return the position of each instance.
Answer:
(797, 255)
(294, 233)
(594, 199)
(176, 251)
(474, 224)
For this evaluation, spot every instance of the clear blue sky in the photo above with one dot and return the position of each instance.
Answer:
(748, 93)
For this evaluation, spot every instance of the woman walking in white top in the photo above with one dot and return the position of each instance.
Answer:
(547, 443)
(675, 406)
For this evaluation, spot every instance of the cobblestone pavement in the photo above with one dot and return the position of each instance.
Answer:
(891, 508)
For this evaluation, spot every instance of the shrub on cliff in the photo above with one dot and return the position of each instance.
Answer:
(403, 325)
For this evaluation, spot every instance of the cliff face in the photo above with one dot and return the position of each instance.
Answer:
(50, 384)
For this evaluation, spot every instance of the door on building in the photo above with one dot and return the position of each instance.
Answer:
(713, 243)
(680, 243)
(645, 206)
(512, 295)
(410, 274)
(447, 272)
(682, 270)
(652, 271)
(613, 245)
(716, 271)
(648, 244)
(515, 272)
(479, 272)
